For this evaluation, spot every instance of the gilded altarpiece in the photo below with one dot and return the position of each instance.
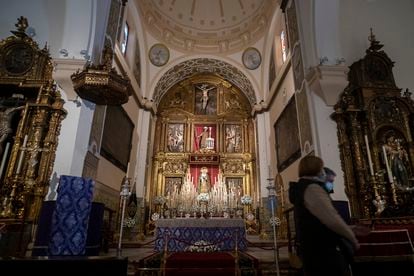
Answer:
(204, 142)
(31, 116)
(375, 129)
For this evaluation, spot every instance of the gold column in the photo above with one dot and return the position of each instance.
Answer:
(356, 138)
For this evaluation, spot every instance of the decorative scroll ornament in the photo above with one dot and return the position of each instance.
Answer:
(101, 84)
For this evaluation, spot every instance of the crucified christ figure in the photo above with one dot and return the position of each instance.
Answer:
(204, 98)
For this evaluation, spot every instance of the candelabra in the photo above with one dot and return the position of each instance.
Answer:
(124, 194)
(273, 220)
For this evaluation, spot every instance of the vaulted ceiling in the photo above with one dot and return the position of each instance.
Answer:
(209, 26)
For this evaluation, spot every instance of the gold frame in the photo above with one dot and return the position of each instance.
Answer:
(30, 165)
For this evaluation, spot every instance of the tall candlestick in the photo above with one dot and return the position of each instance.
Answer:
(3, 160)
(387, 165)
(22, 149)
(270, 174)
(371, 169)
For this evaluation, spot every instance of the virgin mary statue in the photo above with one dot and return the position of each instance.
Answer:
(204, 181)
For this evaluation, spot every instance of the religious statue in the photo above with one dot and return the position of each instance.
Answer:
(397, 158)
(204, 181)
(6, 115)
(204, 140)
(379, 203)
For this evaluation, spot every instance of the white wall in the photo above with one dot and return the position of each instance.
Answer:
(342, 27)
(392, 23)
(327, 143)
(62, 24)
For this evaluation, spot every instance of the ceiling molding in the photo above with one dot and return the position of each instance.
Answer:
(228, 26)
(192, 67)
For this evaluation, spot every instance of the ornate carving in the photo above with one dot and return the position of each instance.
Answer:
(175, 167)
(21, 60)
(189, 68)
(177, 112)
(372, 108)
(101, 84)
(385, 110)
(32, 155)
(233, 166)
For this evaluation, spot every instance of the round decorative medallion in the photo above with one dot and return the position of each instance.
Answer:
(251, 58)
(18, 59)
(159, 54)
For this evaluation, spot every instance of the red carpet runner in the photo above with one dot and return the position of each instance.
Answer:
(200, 264)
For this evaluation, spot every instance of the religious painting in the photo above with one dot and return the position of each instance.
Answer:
(172, 191)
(117, 137)
(175, 137)
(205, 138)
(233, 138)
(287, 136)
(234, 187)
(173, 185)
(304, 121)
(205, 99)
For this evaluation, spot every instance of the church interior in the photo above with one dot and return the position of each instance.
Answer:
(179, 125)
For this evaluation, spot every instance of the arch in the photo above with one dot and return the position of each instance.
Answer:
(191, 67)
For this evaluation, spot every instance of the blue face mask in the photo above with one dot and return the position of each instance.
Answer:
(329, 186)
(322, 177)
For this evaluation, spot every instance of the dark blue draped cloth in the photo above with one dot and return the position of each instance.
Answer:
(71, 216)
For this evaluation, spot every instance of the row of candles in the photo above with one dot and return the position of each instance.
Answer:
(219, 196)
(371, 167)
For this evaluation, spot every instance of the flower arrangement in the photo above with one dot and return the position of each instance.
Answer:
(129, 222)
(159, 200)
(202, 246)
(204, 197)
(194, 208)
(246, 200)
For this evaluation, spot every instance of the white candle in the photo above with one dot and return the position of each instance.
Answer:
(127, 170)
(371, 169)
(22, 149)
(3, 160)
(387, 165)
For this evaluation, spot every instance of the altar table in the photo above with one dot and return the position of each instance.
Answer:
(186, 234)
